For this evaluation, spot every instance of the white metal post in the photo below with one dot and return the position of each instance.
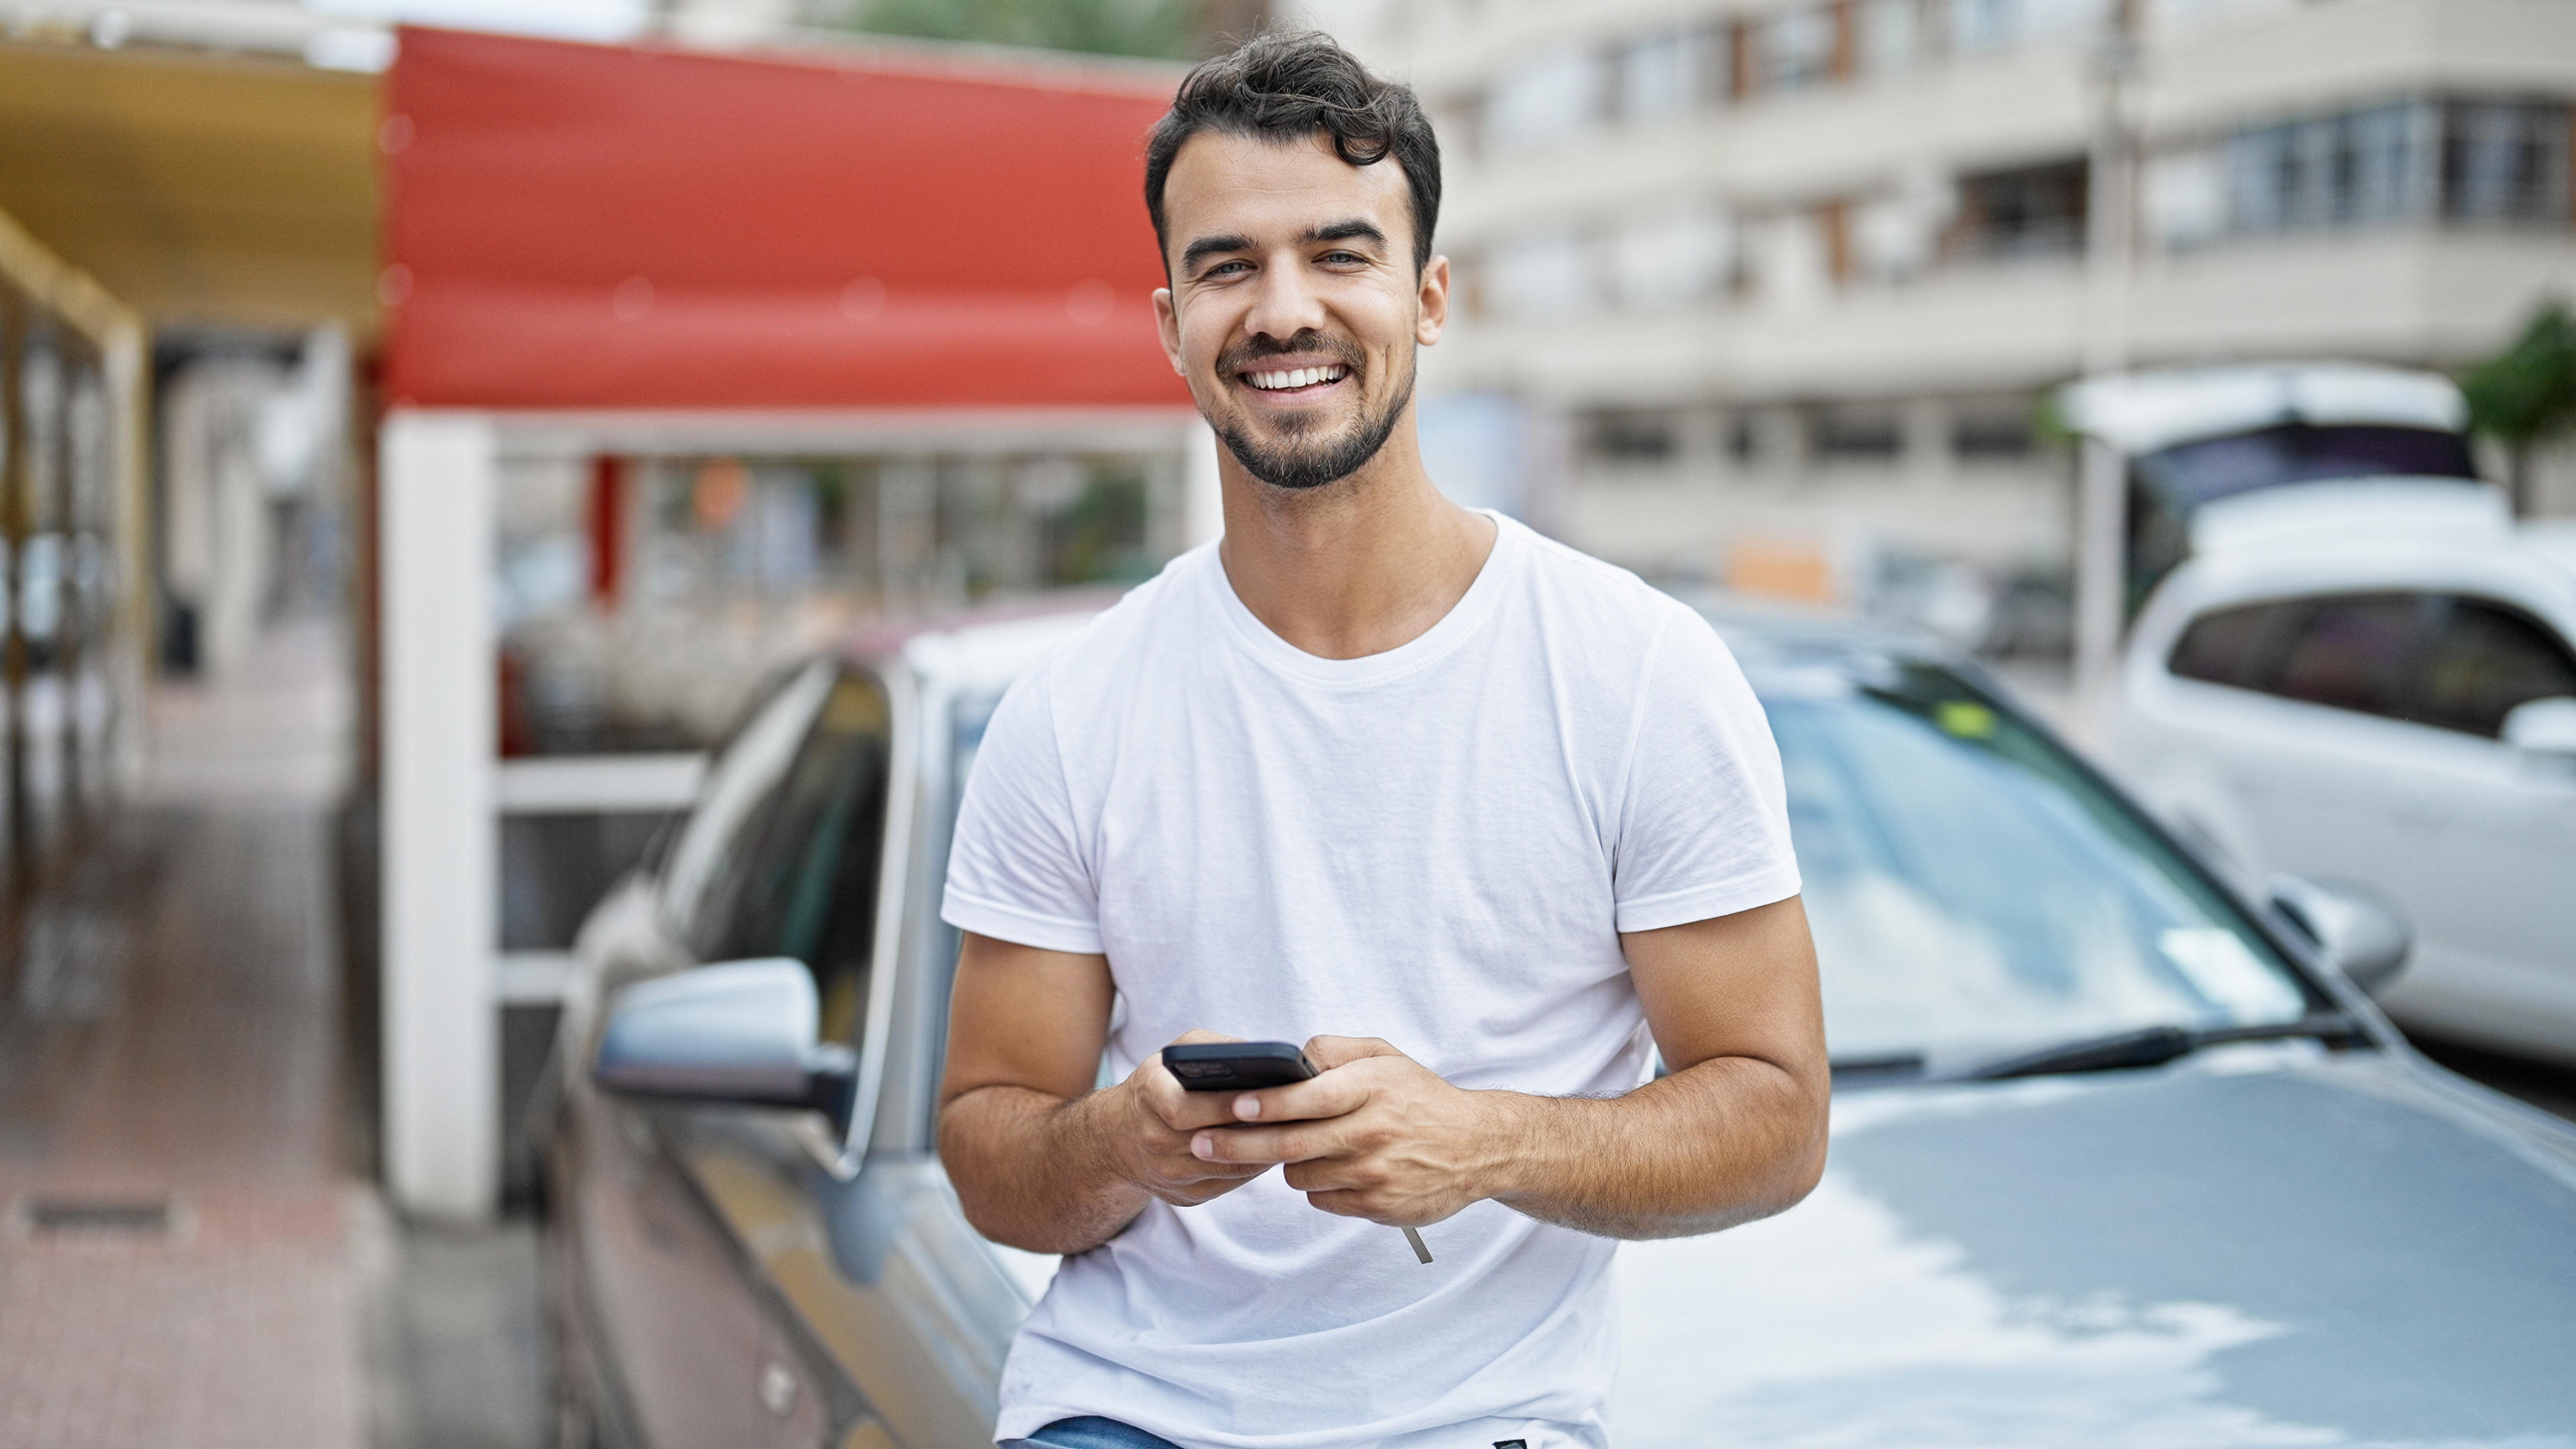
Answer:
(441, 1049)
(2101, 513)
(1202, 488)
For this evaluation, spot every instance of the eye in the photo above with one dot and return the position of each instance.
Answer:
(1222, 268)
(1344, 259)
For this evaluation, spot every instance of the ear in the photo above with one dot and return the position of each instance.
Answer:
(1167, 322)
(1432, 303)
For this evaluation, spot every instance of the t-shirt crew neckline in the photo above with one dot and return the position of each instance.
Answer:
(1423, 649)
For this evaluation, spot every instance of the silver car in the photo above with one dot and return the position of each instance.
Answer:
(2119, 1156)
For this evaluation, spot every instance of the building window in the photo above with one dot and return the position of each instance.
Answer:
(1894, 234)
(1549, 275)
(1980, 27)
(1997, 433)
(1743, 444)
(1658, 76)
(2504, 162)
(1858, 435)
(2473, 161)
(2357, 167)
(2184, 197)
(1658, 261)
(1628, 435)
(1796, 49)
(1891, 35)
(1544, 101)
(2029, 211)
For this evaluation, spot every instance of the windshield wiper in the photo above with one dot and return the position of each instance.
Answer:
(2156, 1045)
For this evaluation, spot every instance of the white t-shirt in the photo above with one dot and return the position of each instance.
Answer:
(1437, 845)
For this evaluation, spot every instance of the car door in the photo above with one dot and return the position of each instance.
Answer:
(2492, 881)
(686, 1350)
(908, 1311)
(2306, 728)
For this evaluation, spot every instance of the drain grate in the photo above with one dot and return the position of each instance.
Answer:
(75, 1215)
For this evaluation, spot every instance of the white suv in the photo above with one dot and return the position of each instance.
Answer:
(2376, 680)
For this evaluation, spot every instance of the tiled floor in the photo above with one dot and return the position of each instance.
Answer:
(175, 1267)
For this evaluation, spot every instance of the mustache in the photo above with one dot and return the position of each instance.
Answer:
(1254, 349)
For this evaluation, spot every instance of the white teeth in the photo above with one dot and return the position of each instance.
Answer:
(1296, 377)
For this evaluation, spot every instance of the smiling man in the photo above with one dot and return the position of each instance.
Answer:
(1482, 822)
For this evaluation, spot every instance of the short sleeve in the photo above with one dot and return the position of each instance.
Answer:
(1704, 818)
(1016, 870)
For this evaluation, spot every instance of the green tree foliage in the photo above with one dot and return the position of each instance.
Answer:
(2526, 394)
(1157, 28)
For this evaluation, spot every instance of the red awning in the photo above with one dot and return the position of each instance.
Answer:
(580, 226)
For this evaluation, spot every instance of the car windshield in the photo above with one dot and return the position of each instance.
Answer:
(1973, 891)
(2207, 469)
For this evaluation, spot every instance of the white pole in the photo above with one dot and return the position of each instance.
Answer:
(1202, 490)
(2101, 514)
(441, 1049)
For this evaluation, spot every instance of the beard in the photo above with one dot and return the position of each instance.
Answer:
(1303, 462)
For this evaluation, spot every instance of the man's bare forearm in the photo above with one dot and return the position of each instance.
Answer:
(1724, 1142)
(1035, 1170)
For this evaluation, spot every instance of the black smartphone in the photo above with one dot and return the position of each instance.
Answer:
(1237, 1066)
(1249, 1066)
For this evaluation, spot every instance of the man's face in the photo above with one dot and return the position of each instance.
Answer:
(1294, 308)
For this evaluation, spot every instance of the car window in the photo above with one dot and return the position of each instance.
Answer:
(2355, 652)
(2486, 659)
(2451, 661)
(1973, 890)
(741, 777)
(2207, 469)
(801, 880)
(2242, 646)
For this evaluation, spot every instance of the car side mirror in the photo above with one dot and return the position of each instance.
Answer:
(740, 1033)
(2360, 932)
(2543, 727)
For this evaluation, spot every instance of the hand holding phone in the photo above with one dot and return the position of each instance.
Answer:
(1249, 1066)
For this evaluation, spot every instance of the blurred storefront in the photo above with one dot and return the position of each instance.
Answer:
(74, 585)
(692, 363)
(588, 383)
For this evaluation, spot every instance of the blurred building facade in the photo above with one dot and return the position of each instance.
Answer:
(1790, 281)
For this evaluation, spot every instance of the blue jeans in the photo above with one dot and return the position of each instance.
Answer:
(1094, 1433)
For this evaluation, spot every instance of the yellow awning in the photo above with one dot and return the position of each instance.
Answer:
(197, 188)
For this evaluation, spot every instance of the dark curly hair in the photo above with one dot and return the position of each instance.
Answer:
(1288, 85)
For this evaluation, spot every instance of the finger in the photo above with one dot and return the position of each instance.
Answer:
(1261, 1144)
(1174, 1105)
(1330, 1094)
(1329, 1052)
(1192, 1170)
(1328, 1174)
(1342, 1203)
(1186, 1111)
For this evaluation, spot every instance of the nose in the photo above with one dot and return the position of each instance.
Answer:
(1284, 303)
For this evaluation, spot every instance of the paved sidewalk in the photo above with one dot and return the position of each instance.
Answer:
(176, 1264)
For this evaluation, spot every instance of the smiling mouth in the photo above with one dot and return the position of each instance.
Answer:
(1295, 379)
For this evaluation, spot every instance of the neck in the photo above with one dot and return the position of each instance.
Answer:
(1364, 564)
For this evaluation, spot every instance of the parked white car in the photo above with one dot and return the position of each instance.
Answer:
(2375, 680)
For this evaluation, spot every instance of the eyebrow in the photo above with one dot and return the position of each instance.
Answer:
(1353, 229)
(1209, 246)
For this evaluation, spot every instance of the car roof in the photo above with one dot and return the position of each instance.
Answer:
(2335, 512)
(2140, 412)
